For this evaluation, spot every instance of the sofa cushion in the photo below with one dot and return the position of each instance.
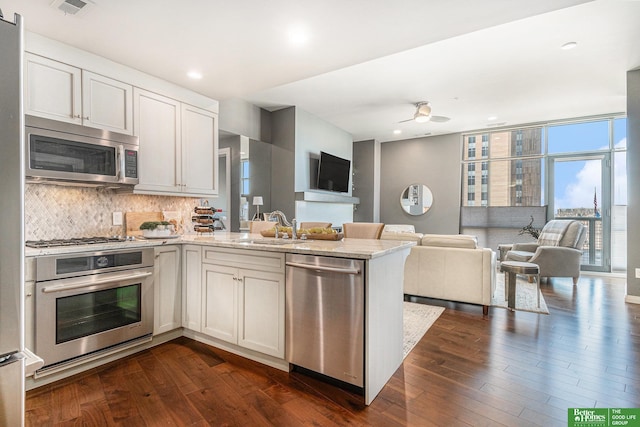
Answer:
(522, 256)
(449, 241)
(392, 235)
(399, 228)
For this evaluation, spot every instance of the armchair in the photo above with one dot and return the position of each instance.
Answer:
(558, 250)
(362, 230)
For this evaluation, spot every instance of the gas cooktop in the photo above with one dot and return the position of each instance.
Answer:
(76, 241)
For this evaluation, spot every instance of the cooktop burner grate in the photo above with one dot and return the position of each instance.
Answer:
(74, 242)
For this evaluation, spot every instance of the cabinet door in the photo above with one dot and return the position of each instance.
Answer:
(199, 151)
(107, 103)
(157, 124)
(220, 302)
(192, 287)
(167, 290)
(261, 315)
(52, 89)
(29, 303)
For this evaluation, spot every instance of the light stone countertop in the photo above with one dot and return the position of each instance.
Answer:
(345, 248)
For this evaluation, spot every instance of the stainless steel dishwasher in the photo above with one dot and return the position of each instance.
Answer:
(325, 316)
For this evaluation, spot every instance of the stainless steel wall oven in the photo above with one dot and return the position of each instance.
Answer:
(87, 302)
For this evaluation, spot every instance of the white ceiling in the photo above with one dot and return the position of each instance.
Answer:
(365, 62)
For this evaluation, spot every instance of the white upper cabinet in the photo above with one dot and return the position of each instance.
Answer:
(178, 153)
(199, 150)
(58, 91)
(157, 124)
(52, 89)
(178, 146)
(107, 103)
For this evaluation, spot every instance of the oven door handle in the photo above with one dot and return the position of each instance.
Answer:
(84, 283)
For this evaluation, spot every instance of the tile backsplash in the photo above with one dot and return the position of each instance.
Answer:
(56, 212)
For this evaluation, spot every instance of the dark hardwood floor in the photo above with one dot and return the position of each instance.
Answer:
(508, 368)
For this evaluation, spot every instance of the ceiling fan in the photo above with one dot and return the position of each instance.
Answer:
(423, 114)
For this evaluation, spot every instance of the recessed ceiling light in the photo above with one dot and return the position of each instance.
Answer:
(568, 45)
(298, 36)
(196, 75)
(492, 118)
(397, 132)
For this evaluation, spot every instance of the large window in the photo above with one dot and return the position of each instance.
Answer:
(510, 170)
(245, 178)
(578, 137)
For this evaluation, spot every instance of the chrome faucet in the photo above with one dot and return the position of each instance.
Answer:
(277, 227)
(294, 226)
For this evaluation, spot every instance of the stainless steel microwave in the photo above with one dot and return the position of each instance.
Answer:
(67, 153)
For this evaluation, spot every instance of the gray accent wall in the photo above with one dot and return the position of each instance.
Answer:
(312, 136)
(283, 134)
(433, 161)
(243, 118)
(233, 143)
(297, 139)
(633, 177)
(260, 175)
(364, 163)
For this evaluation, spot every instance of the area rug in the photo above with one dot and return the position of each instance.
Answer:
(417, 319)
(525, 295)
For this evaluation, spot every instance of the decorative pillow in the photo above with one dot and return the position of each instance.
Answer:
(553, 231)
(571, 235)
(450, 241)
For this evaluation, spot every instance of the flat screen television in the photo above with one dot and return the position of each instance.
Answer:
(333, 173)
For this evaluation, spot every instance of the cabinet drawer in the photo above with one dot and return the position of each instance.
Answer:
(255, 260)
(29, 269)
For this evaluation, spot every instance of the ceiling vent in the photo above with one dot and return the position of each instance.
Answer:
(71, 7)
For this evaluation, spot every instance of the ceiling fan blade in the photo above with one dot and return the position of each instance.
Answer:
(439, 119)
(404, 121)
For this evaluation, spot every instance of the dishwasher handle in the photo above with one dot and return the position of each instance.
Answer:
(341, 270)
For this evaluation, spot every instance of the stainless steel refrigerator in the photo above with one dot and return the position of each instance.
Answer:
(12, 384)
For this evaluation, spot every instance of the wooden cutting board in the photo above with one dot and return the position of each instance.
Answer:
(132, 221)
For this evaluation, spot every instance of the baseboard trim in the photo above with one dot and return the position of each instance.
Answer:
(632, 299)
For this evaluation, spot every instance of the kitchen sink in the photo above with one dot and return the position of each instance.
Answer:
(265, 241)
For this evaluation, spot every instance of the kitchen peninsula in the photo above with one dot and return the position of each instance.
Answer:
(231, 294)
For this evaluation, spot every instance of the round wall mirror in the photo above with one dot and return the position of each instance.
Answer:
(416, 199)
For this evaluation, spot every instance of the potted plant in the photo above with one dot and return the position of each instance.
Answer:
(156, 228)
(530, 229)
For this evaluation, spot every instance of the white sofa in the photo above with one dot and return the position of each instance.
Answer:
(450, 267)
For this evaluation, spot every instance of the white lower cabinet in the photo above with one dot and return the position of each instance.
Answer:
(243, 305)
(167, 289)
(192, 287)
